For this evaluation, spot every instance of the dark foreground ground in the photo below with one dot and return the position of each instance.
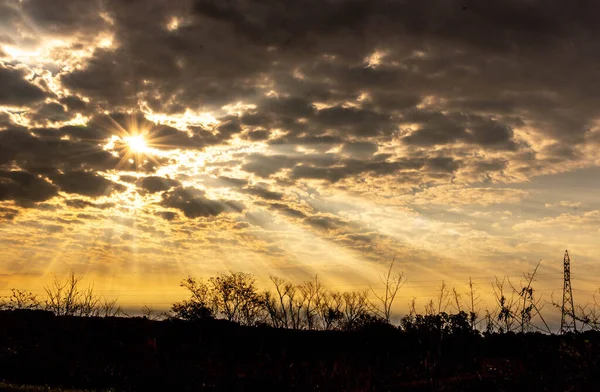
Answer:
(119, 354)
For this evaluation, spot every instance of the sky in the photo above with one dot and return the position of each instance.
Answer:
(145, 141)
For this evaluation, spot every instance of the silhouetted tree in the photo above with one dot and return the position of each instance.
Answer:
(354, 308)
(507, 307)
(473, 300)
(441, 302)
(438, 324)
(201, 305)
(237, 298)
(392, 282)
(588, 315)
(530, 306)
(284, 307)
(329, 310)
(20, 299)
(65, 298)
(152, 314)
(311, 293)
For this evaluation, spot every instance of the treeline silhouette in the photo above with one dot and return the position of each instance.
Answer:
(309, 305)
(231, 335)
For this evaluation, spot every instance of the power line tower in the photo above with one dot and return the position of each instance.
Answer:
(567, 321)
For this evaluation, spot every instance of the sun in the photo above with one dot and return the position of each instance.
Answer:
(137, 144)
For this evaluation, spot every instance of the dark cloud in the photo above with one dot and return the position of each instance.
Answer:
(257, 136)
(47, 152)
(443, 164)
(128, 178)
(73, 16)
(85, 183)
(51, 112)
(333, 167)
(345, 168)
(236, 182)
(80, 203)
(289, 107)
(5, 121)
(287, 210)
(479, 62)
(8, 213)
(25, 188)
(167, 215)
(491, 165)
(319, 173)
(265, 166)
(436, 128)
(194, 204)
(153, 184)
(358, 121)
(359, 149)
(325, 222)
(104, 79)
(16, 91)
(262, 192)
(152, 58)
(93, 132)
(74, 103)
(464, 75)
(223, 182)
(320, 143)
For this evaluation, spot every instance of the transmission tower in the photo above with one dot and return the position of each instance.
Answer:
(567, 321)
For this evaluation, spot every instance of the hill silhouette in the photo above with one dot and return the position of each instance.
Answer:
(37, 347)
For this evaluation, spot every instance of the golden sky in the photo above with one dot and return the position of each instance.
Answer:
(144, 141)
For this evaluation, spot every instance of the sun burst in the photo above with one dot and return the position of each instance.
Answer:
(137, 144)
(134, 142)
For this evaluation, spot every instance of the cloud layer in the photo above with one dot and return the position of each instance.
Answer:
(291, 131)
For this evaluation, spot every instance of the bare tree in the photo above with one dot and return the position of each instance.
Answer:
(443, 300)
(310, 292)
(473, 301)
(456, 300)
(109, 308)
(430, 308)
(285, 307)
(530, 306)
(89, 303)
(151, 314)
(20, 299)
(490, 324)
(355, 306)
(507, 306)
(412, 307)
(200, 292)
(329, 310)
(440, 303)
(392, 282)
(65, 298)
(589, 315)
(276, 304)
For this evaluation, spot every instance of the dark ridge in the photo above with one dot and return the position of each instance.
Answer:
(139, 354)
